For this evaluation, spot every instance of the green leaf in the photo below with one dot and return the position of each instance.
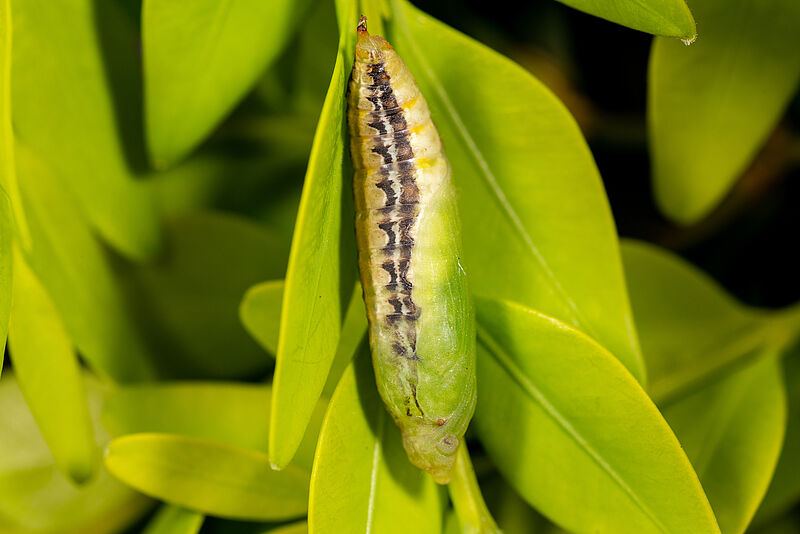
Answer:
(660, 17)
(35, 498)
(711, 106)
(514, 515)
(362, 479)
(530, 196)
(6, 240)
(784, 490)
(467, 499)
(189, 298)
(49, 376)
(732, 432)
(75, 271)
(233, 413)
(7, 172)
(321, 270)
(200, 59)
(174, 520)
(566, 423)
(208, 476)
(690, 328)
(713, 368)
(301, 527)
(260, 313)
(75, 121)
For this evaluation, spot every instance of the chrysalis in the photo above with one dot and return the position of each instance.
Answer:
(421, 321)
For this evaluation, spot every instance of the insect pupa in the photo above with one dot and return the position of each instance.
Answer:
(421, 319)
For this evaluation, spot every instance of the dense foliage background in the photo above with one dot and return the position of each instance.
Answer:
(177, 267)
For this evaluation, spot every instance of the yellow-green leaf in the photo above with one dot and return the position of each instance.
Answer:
(260, 313)
(732, 431)
(660, 17)
(200, 59)
(174, 520)
(35, 498)
(530, 197)
(690, 327)
(565, 423)
(49, 376)
(712, 105)
(362, 480)
(321, 270)
(208, 476)
(75, 120)
(233, 413)
(6, 241)
(75, 271)
(784, 490)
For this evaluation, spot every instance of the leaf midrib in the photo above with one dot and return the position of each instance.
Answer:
(508, 365)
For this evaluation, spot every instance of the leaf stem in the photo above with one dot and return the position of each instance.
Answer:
(466, 495)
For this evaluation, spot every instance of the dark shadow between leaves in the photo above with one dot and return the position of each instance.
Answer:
(120, 45)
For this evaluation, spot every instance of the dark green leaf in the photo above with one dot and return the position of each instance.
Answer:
(566, 423)
(784, 490)
(712, 105)
(200, 59)
(189, 298)
(689, 327)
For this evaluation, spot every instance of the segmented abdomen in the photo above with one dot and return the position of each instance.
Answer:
(409, 245)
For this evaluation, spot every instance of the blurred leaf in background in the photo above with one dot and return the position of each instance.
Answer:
(712, 106)
(35, 498)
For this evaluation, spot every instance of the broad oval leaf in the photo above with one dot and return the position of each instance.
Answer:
(174, 520)
(321, 270)
(76, 272)
(35, 497)
(690, 327)
(190, 295)
(260, 313)
(784, 490)
(6, 240)
(49, 376)
(732, 432)
(712, 105)
(566, 423)
(530, 197)
(715, 375)
(200, 59)
(670, 18)
(92, 64)
(362, 479)
(208, 476)
(7, 173)
(234, 413)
